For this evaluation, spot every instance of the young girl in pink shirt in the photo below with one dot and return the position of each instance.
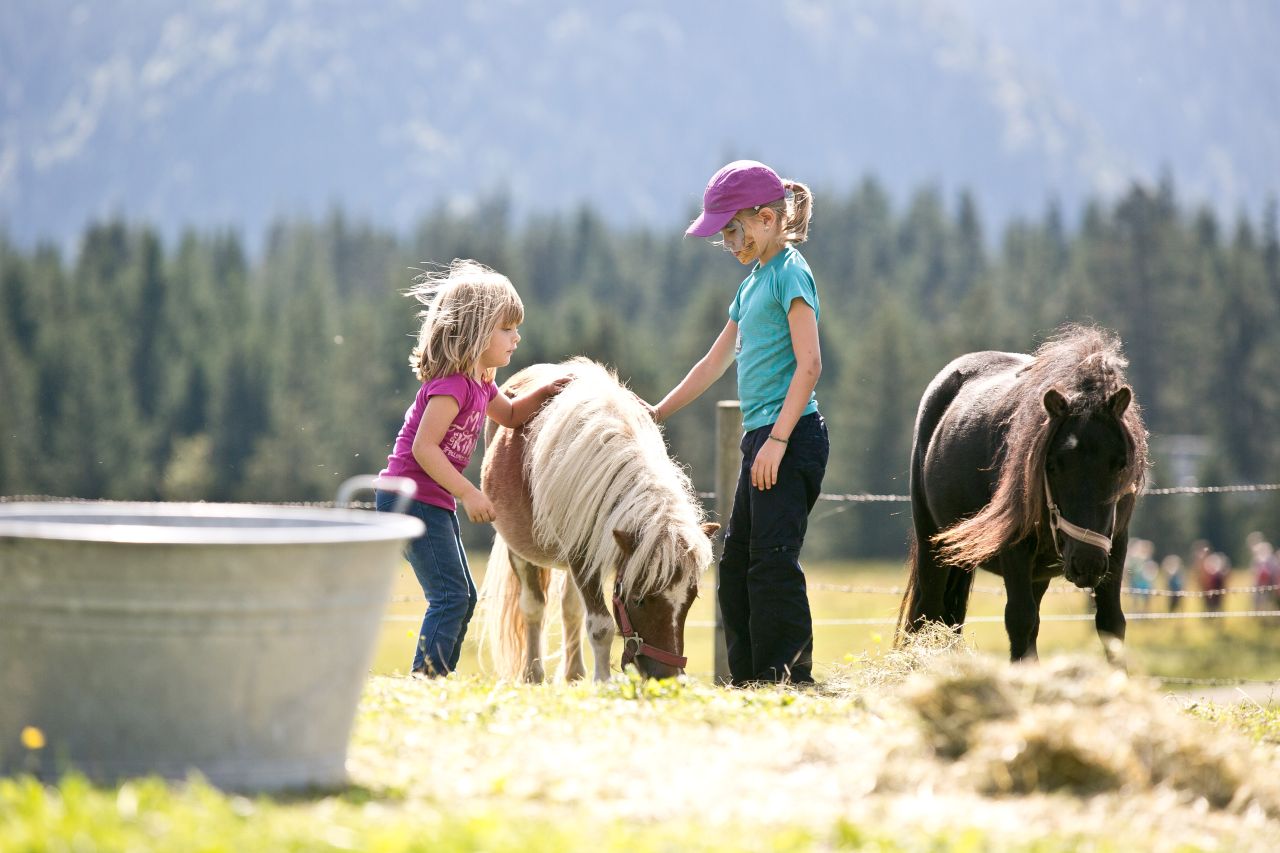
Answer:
(469, 329)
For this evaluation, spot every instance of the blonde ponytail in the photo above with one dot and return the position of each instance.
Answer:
(795, 209)
(795, 224)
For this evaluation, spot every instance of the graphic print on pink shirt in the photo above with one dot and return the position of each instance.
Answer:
(460, 440)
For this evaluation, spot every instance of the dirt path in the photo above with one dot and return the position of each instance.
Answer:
(1266, 694)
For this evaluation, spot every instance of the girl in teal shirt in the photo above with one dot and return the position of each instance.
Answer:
(772, 334)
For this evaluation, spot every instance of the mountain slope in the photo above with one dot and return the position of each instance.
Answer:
(223, 113)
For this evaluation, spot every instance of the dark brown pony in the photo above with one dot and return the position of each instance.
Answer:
(1029, 467)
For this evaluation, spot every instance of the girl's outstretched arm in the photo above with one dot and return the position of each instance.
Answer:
(702, 375)
(512, 413)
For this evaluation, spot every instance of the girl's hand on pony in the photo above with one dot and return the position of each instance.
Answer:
(479, 508)
(555, 386)
(764, 470)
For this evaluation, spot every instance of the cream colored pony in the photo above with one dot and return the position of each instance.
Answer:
(586, 485)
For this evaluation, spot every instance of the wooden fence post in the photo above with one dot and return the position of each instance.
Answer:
(728, 462)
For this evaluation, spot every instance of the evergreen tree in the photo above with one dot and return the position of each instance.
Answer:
(201, 373)
(1243, 390)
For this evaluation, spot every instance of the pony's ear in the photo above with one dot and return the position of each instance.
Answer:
(710, 528)
(626, 541)
(1054, 403)
(1120, 401)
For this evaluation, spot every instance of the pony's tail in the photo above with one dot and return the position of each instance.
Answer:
(501, 623)
(908, 605)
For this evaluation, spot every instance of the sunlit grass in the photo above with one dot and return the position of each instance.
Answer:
(1255, 720)
(929, 748)
(150, 815)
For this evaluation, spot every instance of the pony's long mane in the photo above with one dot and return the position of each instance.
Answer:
(1086, 364)
(596, 462)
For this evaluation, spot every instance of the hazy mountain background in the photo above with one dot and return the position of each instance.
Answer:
(228, 113)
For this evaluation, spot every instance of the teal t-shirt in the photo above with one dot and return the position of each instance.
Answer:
(766, 360)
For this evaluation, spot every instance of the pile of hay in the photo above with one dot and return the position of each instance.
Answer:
(1073, 725)
(927, 742)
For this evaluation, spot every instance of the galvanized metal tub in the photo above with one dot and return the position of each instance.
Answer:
(233, 640)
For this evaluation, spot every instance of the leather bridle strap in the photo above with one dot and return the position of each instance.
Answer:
(633, 645)
(1080, 534)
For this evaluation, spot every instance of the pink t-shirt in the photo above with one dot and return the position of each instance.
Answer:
(459, 441)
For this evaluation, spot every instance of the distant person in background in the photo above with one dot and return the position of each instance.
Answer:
(469, 330)
(1140, 572)
(1266, 572)
(1171, 568)
(1217, 569)
(772, 333)
(1197, 568)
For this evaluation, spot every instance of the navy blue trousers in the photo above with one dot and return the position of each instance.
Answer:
(440, 563)
(760, 586)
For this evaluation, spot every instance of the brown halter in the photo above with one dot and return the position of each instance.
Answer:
(633, 645)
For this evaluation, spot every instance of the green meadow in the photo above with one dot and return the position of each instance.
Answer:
(936, 748)
(940, 746)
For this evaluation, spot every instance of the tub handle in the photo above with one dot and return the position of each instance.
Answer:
(361, 482)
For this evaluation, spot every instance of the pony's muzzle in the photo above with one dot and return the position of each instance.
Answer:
(651, 668)
(1084, 564)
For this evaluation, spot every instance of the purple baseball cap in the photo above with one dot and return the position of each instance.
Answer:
(739, 185)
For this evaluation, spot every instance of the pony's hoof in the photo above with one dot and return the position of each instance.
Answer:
(1113, 648)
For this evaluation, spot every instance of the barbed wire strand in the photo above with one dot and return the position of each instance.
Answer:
(1044, 617)
(1214, 682)
(868, 497)
(860, 497)
(993, 590)
(1059, 589)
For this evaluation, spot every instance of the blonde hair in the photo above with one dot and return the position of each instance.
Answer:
(794, 209)
(466, 303)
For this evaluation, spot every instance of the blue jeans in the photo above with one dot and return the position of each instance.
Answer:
(760, 586)
(440, 562)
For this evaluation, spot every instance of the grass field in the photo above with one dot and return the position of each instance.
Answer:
(1235, 648)
(940, 747)
(942, 751)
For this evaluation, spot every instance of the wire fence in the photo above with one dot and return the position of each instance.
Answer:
(857, 497)
(995, 590)
(868, 497)
(873, 621)
(1044, 617)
